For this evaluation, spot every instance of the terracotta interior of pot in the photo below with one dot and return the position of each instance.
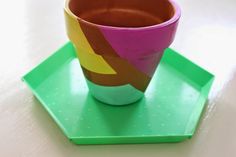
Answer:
(123, 13)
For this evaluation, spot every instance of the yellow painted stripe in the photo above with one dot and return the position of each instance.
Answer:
(76, 34)
(88, 58)
(93, 62)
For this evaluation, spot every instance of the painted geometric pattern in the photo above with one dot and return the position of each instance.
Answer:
(100, 63)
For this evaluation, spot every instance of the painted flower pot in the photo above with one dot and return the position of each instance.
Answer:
(120, 43)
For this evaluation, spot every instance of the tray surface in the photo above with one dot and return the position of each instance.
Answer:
(169, 112)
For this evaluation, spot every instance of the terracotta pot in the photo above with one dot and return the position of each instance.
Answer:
(120, 43)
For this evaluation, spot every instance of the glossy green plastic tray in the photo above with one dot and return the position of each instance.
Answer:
(169, 112)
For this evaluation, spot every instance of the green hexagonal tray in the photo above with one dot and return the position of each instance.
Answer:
(169, 112)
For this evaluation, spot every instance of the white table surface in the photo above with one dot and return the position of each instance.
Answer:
(30, 30)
